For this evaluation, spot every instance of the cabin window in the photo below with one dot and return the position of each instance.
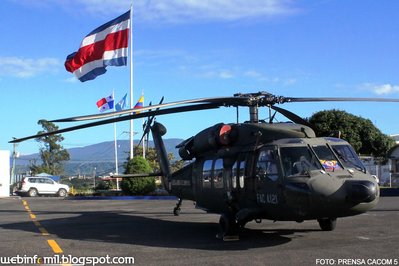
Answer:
(327, 158)
(266, 165)
(218, 174)
(237, 175)
(298, 160)
(241, 174)
(348, 157)
(207, 174)
(234, 175)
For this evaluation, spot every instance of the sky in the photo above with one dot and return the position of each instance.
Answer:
(195, 49)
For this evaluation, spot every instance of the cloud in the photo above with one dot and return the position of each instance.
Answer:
(225, 74)
(253, 74)
(259, 76)
(205, 66)
(72, 79)
(210, 73)
(179, 11)
(383, 89)
(27, 67)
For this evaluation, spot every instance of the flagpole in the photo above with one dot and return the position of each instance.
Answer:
(131, 78)
(142, 94)
(115, 146)
(143, 140)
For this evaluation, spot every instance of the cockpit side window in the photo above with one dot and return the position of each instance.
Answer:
(298, 160)
(266, 166)
(327, 158)
(348, 157)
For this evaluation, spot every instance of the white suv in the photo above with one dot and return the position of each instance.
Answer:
(33, 186)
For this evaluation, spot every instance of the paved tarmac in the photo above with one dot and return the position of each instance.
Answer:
(147, 231)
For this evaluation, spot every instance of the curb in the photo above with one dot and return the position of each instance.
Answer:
(123, 198)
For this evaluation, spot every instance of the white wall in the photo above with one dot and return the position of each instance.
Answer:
(4, 173)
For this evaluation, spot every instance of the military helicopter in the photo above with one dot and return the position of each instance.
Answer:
(257, 169)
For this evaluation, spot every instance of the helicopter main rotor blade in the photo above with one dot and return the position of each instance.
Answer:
(146, 127)
(217, 100)
(291, 116)
(250, 99)
(336, 99)
(253, 100)
(123, 118)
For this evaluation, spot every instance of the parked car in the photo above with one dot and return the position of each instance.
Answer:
(33, 186)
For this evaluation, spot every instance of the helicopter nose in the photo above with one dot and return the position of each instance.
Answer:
(361, 191)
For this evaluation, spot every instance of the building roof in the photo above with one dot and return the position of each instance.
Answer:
(395, 137)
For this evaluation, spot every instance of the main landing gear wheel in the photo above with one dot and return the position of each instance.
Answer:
(176, 210)
(327, 224)
(228, 228)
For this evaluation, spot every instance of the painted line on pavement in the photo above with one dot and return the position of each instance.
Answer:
(51, 242)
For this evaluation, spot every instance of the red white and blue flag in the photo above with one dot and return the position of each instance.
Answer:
(105, 46)
(105, 104)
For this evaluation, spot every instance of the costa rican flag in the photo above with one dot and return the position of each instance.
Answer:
(105, 46)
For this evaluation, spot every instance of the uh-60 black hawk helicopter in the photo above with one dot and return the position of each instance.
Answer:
(257, 169)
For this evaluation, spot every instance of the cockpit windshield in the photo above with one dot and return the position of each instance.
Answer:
(348, 157)
(298, 160)
(327, 158)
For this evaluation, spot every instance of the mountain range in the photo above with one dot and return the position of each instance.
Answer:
(98, 157)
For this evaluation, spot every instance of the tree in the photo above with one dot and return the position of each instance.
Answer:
(138, 185)
(138, 165)
(151, 157)
(359, 132)
(52, 153)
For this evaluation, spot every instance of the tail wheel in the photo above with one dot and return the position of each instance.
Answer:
(32, 192)
(224, 224)
(327, 224)
(62, 193)
(176, 211)
(228, 228)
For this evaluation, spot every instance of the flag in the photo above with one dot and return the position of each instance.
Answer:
(139, 104)
(105, 104)
(121, 104)
(105, 46)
